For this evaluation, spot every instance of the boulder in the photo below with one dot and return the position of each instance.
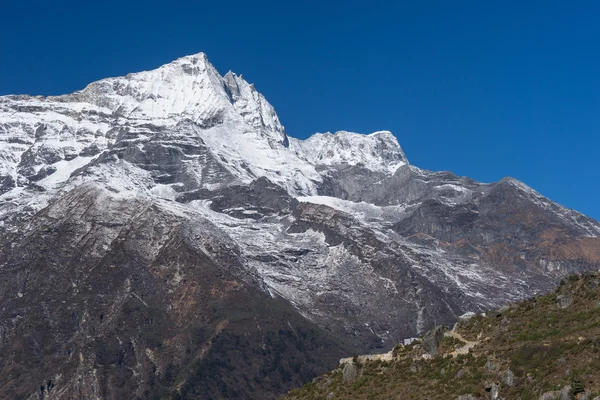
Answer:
(508, 378)
(564, 300)
(350, 372)
(565, 394)
(433, 339)
(494, 390)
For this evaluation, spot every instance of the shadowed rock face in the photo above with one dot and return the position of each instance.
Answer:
(259, 199)
(165, 234)
(123, 299)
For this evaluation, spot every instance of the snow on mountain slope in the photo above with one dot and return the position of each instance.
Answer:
(35, 133)
(363, 211)
(240, 128)
(186, 88)
(378, 151)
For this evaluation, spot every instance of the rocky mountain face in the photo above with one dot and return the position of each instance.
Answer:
(161, 235)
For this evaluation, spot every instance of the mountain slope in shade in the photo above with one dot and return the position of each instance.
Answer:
(171, 208)
(124, 298)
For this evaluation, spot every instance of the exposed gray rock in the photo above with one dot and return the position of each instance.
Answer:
(495, 393)
(494, 389)
(7, 183)
(564, 300)
(565, 394)
(561, 361)
(42, 173)
(90, 150)
(433, 339)
(350, 372)
(508, 378)
(254, 201)
(416, 366)
(587, 395)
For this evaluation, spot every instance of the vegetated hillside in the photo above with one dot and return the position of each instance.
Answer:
(546, 347)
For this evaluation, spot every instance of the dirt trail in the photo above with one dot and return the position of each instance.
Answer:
(468, 344)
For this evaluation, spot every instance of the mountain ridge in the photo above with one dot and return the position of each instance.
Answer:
(339, 233)
(188, 89)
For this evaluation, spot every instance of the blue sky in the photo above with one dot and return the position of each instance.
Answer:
(482, 88)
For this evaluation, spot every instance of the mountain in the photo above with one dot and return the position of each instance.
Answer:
(543, 348)
(152, 225)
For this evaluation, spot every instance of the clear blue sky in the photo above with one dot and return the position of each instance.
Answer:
(482, 88)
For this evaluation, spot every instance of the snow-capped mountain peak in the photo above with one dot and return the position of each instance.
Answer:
(378, 151)
(226, 113)
(187, 88)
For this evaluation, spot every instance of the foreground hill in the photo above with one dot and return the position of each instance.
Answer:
(547, 347)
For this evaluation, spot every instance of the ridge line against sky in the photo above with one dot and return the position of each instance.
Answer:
(483, 90)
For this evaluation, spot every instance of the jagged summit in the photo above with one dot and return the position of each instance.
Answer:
(200, 56)
(225, 113)
(187, 88)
